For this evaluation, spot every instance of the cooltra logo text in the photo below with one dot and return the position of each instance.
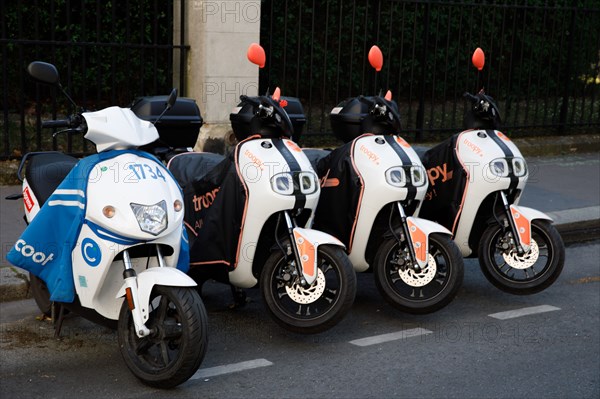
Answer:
(29, 251)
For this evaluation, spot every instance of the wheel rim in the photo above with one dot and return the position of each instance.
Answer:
(306, 303)
(424, 285)
(524, 268)
(163, 347)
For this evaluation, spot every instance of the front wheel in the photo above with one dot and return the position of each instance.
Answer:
(174, 350)
(524, 274)
(309, 309)
(427, 290)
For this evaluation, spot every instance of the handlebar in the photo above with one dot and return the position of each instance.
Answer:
(469, 96)
(59, 123)
(72, 124)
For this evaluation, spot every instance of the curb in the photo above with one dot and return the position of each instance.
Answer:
(574, 225)
(14, 284)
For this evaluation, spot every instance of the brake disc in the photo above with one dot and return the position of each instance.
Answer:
(422, 278)
(525, 261)
(309, 294)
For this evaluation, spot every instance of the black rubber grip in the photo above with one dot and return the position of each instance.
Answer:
(56, 123)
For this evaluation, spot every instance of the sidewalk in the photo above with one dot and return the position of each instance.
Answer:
(564, 182)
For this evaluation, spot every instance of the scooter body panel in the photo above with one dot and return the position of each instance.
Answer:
(259, 162)
(127, 179)
(373, 157)
(476, 149)
(116, 128)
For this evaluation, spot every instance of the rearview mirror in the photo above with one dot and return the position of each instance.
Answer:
(172, 98)
(44, 72)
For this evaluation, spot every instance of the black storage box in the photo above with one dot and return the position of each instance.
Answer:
(179, 127)
(241, 121)
(352, 117)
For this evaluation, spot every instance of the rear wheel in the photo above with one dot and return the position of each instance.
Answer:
(427, 290)
(174, 350)
(314, 308)
(41, 295)
(523, 274)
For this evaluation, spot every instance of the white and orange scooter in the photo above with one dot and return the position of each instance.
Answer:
(476, 180)
(248, 217)
(371, 188)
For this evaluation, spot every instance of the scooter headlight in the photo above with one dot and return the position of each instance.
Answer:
(283, 183)
(401, 176)
(418, 175)
(519, 167)
(499, 167)
(290, 183)
(308, 182)
(151, 218)
(395, 176)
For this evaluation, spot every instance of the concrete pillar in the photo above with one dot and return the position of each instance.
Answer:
(218, 72)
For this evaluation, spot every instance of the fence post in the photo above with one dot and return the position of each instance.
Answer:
(217, 71)
(421, 109)
(564, 108)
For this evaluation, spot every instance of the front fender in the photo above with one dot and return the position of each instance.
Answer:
(307, 242)
(522, 217)
(420, 230)
(531, 213)
(147, 279)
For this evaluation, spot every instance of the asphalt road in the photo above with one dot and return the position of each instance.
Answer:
(471, 349)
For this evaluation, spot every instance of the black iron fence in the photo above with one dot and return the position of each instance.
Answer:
(107, 51)
(542, 59)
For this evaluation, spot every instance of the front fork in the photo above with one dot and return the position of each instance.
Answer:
(298, 263)
(132, 293)
(519, 226)
(416, 239)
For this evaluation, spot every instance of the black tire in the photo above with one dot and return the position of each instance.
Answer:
(419, 293)
(337, 281)
(531, 273)
(41, 295)
(166, 361)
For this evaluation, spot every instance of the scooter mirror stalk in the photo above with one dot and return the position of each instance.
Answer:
(170, 102)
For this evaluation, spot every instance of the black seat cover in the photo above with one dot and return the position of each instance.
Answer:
(190, 168)
(45, 172)
(314, 155)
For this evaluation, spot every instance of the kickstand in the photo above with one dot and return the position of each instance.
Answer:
(239, 297)
(57, 307)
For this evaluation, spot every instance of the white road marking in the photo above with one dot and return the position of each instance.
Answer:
(230, 368)
(511, 314)
(378, 339)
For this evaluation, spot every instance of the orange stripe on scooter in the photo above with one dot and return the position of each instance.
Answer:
(333, 182)
(419, 240)
(523, 226)
(307, 252)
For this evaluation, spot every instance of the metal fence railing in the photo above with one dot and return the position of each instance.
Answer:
(108, 52)
(542, 59)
